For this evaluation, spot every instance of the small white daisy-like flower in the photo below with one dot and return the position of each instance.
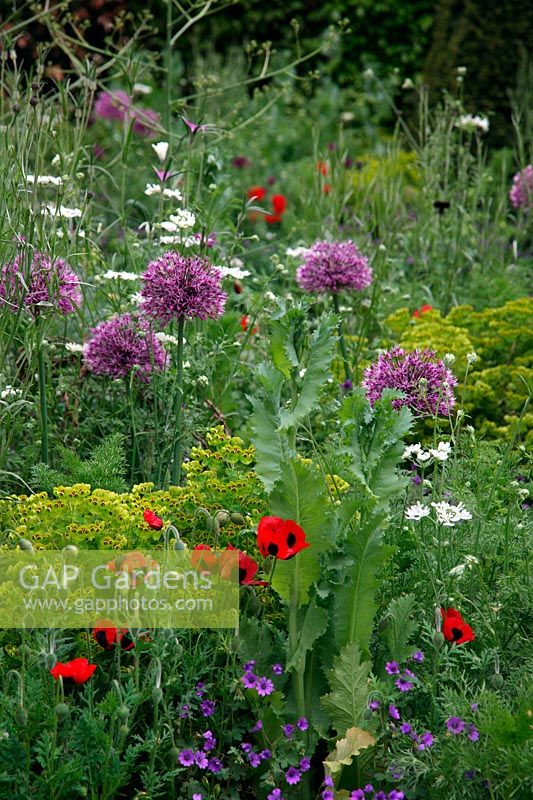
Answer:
(10, 393)
(297, 252)
(472, 358)
(166, 338)
(183, 218)
(152, 188)
(417, 511)
(74, 347)
(448, 515)
(473, 122)
(234, 272)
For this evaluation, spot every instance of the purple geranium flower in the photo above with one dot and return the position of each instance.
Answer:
(249, 680)
(275, 794)
(334, 266)
(39, 284)
(200, 759)
(207, 707)
(214, 765)
(374, 705)
(258, 726)
(122, 344)
(418, 656)
(392, 667)
(302, 724)
(396, 795)
(264, 687)
(254, 759)
(246, 747)
(455, 725)
(403, 685)
(288, 730)
(357, 794)
(426, 740)
(328, 794)
(473, 733)
(305, 764)
(293, 776)
(265, 754)
(405, 728)
(277, 669)
(182, 287)
(426, 382)
(186, 757)
(393, 712)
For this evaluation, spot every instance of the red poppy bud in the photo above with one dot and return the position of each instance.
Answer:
(237, 288)
(155, 522)
(281, 538)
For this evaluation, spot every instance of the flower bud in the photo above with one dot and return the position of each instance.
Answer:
(25, 544)
(179, 545)
(438, 639)
(173, 754)
(237, 519)
(123, 713)
(367, 714)
(222, 517)
(50, 660)
(496, 681)
(157, 694)
(61, 711)
(123, 730)
(21, 716)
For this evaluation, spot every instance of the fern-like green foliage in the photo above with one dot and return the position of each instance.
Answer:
(399, 627)
(104, 469)
(349, 688)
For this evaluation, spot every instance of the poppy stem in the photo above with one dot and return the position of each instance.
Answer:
(342, 341)
(293, 645)
(178, 402)
(41, 370)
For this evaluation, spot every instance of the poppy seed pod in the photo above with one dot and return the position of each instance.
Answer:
(25, 544)
(21, 716)
(50, 660)
(496, 681)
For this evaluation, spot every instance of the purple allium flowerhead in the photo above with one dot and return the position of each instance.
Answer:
(264, 686)
(121, 344)
(455, 725)
(186, 757)
(182, 287)
(207, 707)
(40, 286)
(392, 667)
(112, 105)
(426, 382)
(334, 266)
(521, 192)
(118, 106)
(293, 776)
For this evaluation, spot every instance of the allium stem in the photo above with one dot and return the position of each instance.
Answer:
(41, 369)
(342, 341)
(178, 402)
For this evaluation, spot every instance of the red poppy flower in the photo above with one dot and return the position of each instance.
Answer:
(107, 636)
(155, 522)
(256, 193)
(454, 628)
(78, 670)
(247, 569)
(322, 167)
(279, 206)
(281, 538)
(422, 310)
(203, 556)
(327, 188)
(244, 324)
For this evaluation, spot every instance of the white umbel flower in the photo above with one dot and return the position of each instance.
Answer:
(417, 511)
